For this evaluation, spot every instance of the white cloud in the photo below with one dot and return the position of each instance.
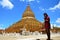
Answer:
(38, 1)
(22, 0)
(55, 7)
(27, 0)
(58, 20)
(54, 25)
(2, 26)
(51, 26)
(31, 0)
(43, 9)
(6, 4)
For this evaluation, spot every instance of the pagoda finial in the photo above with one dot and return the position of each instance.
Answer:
(28, 4)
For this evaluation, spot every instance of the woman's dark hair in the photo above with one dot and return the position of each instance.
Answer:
(45, 14)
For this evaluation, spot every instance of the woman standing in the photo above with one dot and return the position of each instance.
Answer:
(47, 25)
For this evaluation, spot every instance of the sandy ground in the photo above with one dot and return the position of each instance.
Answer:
(30, 37)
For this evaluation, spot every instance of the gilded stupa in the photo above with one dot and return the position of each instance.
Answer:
(28, 21)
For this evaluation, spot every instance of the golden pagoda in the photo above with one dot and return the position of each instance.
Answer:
(28, 21)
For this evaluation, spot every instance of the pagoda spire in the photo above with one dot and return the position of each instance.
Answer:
(28, 12)
(28, 4)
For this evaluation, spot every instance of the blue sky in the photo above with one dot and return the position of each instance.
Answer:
(11, 11)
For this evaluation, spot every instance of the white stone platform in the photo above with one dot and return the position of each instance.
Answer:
(28, 37)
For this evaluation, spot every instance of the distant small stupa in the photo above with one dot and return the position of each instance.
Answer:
(28, 21)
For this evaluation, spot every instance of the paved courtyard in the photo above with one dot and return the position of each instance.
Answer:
(30, 37)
